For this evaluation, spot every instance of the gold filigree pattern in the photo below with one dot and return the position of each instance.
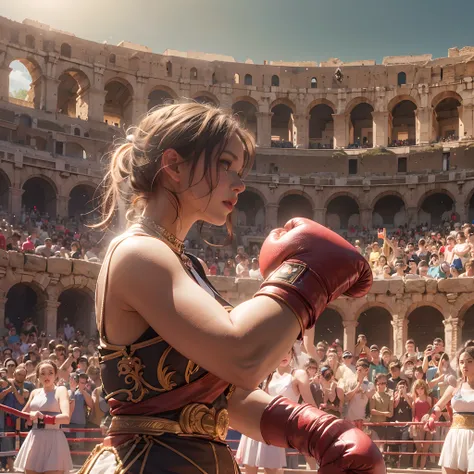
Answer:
(191, 369)
(164, 377)
(197, 418)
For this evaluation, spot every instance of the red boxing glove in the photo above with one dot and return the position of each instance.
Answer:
(337, 445)
(430, 424)
(307, 266)
(49, 420)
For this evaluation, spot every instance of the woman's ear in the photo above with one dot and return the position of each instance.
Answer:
(170, 162)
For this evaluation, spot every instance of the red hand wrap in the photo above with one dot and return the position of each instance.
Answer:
(336, 444)
(49, 420)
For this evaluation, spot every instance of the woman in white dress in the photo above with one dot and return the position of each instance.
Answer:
(285, 382)
(45, 449)
(457, 455)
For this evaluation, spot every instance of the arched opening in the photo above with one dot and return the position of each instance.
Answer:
(293, 205)
(193, 74)
(118, 106)
(389, 211)
(361, 126)
(25, 301)
(247, 114)
(158, 97)
(275, 81)
(112, 58)
(282, 126)
(30, 42)
(329, 327)
(204, 99)
(41, 143)
(342, 213)
(74, 150)
(236, 78)
(321, 127)
(77, 132)
(248, 80)
(25, 81)
(471, 209)
(78, 307)
(401, 78)
(214, 79)
(376, 324)
(66, 50)
(468, 324)
(39, 195)
(403, 124)
(250, 210)
(83, 203)
(4, 192)
(424, 324)
(447, 119)
(435, 209)
(72, 85)
(314, 83)
(169, 69)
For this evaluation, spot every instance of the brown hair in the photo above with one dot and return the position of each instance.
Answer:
(46, 362)
(191, 129)
(417, 384)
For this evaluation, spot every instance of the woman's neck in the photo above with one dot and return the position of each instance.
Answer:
(50, 388)
(284, 370)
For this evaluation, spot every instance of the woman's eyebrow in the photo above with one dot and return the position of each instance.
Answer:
(234, 156)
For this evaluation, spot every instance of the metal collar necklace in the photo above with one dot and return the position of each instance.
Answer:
(176, 245)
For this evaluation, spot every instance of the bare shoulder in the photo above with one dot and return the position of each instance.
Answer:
(61, 391)
(300, 375)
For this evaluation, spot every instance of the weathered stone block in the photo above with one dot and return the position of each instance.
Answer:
(88, 269)
(62, 266)
(222, 283)
(431, 286)
(42, 279)
(396, 286)
(415, 286)
(35, 263)
(380, 287)
(4, 258)
(16, 259)
(247, 286)
(456, 285)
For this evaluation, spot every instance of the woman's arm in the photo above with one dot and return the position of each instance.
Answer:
(340, 395)
(26, 408)
(302, 382)
(63, 399)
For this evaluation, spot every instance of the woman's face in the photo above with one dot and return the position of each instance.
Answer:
(332, 357)
(47, 375)
(216, 206)
(286, 360)
(466, 365)
(418, 376)
(386, 357)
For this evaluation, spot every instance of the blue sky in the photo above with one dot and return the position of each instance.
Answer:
(291, 30)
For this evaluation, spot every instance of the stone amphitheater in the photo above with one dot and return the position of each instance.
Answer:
(345, 144)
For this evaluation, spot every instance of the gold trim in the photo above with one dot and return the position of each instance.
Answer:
(145, 459)
(137, 457)
(230, 392)
(120, 350)
(164, 377)
(143, 425)
(461, 421)
(94, 456)
(215, 457)
(191, 369)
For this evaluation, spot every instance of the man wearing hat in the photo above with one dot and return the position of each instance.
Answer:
(348, 360)
(376, 366)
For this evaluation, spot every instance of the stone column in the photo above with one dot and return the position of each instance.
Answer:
(301, 122)
(412, 215)
(271, 215)
(366, 218)
(15, 201)
(319, 215)
(400, 334)
(5, 82)
(466, 121)
(264, 128)
(349, 334)
(63, 206)
(380, 126)
(50, 316)
(95, 100)
(341, 132)
(452, 335)
(3, 302)
(424, 125)
(49, 95)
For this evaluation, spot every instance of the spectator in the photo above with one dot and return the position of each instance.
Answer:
(28, 245)
(422, 404)
(402, 412)
(242, 269)
(376, 365)
(46, 249)
(254, 272)
(395, 375)
(410, 351)
(381, 407)
(333, 396)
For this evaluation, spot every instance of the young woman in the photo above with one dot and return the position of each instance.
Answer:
(457, 455)
(421, 406)
(172, 350)
(333, 396)
(284, 382)
(45, 450)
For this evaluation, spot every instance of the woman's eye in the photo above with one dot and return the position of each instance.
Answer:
(226, 164)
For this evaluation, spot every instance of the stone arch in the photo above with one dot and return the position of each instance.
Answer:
(329, 326)
(83, 203)
(425, 322)
(468, 322)
(75, 150)
(250, 209)
(204, 97)
(77, 305)
(248, 80)
(275, 81)
(282, 122)
(401, 78)
(66, 50)
(436, 206)
(25, 300)
(246, 111)
(375, 322)
(284, 101)
(161, 95)
(5, 185)
(342, 211)
(27, 69)
(118, 104)
(73, 83)
(437, 99)
(30, 41)
(401, 98)
(446, 120)
(294, 204)
(361, 124)
(402, 121)
(321, 124)
(389, 210)
(40, 192)
(357, 101)
(193, 74)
